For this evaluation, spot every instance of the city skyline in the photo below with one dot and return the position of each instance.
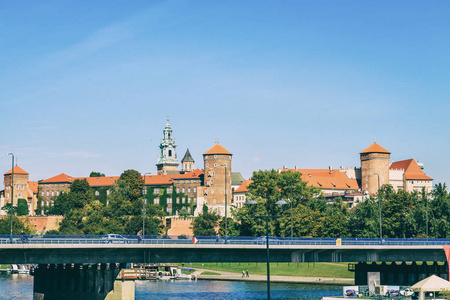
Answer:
(88, 86)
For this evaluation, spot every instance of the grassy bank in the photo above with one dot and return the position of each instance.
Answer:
(330, 270)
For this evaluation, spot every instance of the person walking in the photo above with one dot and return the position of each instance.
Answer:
(246, 273)
(217, 238)
(243, 273)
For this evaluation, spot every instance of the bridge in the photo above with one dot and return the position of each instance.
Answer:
(87, 266)
(157, 249)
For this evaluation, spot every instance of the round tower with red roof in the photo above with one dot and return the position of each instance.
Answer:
(217, 161)
(374, 167)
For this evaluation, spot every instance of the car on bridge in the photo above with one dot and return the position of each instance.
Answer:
(262, 240)
(115, 239)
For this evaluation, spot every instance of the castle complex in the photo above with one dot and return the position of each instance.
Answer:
(354, 184)
(184, 191)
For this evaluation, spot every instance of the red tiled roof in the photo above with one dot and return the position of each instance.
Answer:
(58, 178)
(217, 149)
(322, 178)
(33, 185)
(375, 148)
(17, 170)
(243, 187)
(100, 181)
(168, 179)
(411, 169)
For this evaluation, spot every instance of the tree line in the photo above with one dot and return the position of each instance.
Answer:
(403, 214)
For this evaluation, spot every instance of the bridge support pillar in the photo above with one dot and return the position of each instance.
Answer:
(76, 281)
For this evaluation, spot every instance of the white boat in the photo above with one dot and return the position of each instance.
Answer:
(181, 276)
(13, 269)
(23, 269)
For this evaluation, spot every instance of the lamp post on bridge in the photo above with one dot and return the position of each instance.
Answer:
(266, 217)
(226, 208)
(379, 203)
(12, 195)
(144, 202)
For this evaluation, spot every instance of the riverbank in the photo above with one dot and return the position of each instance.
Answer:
(230, 276)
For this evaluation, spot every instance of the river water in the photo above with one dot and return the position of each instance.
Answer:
(21, 287)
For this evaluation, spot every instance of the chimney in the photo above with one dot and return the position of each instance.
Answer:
(331, 169)
(296, 168)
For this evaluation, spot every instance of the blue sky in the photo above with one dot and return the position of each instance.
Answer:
(87, 85)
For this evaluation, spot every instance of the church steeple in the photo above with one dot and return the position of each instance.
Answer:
(187, 163)
(167, 160)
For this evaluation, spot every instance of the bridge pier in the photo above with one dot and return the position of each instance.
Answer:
(80, 281)
(396, 273)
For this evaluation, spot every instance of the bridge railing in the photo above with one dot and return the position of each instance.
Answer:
(231, 240)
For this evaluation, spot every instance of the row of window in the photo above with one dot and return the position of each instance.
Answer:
(183, 200)
(170, 191)
(53, 185)
(47, 203)
(19, 195)
(52, 193)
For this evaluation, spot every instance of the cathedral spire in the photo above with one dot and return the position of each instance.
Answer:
(167, 160)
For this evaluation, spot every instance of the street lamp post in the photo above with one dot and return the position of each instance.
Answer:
(12, 195)
(144, 201)
(279, 202)
(226, 207)
(290, 201)
(379, 203)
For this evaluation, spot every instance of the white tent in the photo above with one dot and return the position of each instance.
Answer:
(430, 284)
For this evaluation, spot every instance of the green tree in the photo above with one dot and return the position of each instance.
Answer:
(22, 207)
(96, 174)
(18, 226)
(206, 222)
(266, 189)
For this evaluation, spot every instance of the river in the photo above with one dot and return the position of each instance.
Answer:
(21, 287)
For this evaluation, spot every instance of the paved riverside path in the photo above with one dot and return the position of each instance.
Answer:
(230, 276)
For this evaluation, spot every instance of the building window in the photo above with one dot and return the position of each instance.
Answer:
(178, 189)
(57, 193)
(107, 192)
(42, 194)
(20, 194)
(42, 203)
(195, 200)
(212, 192)
(189, 200)
(48, 193)
(178, 200)
(169, 191)
(215, 156)
(156, 191)
(184, 190)
(189, 209)
(169, 210)
(189, 189)
(97, 193)
(156, 201)
(169, 200)
(183, 200)
(47, 202)
(195, 189)
(62, 184)
(53, 203)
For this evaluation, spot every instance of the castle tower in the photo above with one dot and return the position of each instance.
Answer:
(20, 185)
(167, 160)
(187, 163)
(217, 161)
(374, 160)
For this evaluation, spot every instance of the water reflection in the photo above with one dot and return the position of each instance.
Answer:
(203, 289)
(19, 286)
(16, 286)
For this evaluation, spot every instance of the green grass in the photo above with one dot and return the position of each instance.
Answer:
(330, 270)
(209, 273)
(4, 267)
